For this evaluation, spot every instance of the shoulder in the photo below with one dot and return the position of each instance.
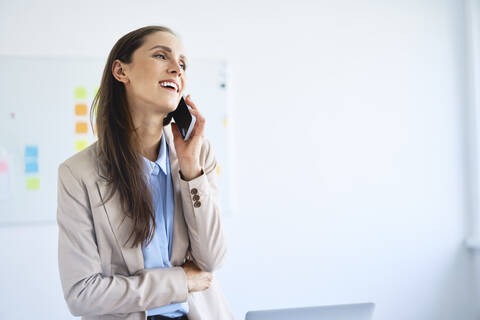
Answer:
(83, 165)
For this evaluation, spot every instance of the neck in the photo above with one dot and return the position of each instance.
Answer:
(148, 122)
(150, 131)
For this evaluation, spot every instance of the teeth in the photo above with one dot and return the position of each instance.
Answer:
(169, 84)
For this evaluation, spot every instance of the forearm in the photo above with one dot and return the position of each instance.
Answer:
(96, 294)
(202, 214)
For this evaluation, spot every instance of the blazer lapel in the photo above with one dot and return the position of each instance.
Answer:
(179, 242)
(121, 226)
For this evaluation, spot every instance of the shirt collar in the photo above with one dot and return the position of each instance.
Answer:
(162, 158)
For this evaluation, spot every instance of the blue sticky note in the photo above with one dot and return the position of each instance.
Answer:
(31, 151)
(31, 167)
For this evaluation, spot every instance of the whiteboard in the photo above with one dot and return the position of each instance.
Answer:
(44, 119)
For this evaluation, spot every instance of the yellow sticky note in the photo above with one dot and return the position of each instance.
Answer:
(33, 183)
(225, 122)
(218, 169)
(80, 145)
(80, 93)
(81, 127)
(80, 109)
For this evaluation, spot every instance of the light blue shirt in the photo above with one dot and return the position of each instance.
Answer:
(157, 254)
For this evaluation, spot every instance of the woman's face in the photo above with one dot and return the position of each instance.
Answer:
(161, 58)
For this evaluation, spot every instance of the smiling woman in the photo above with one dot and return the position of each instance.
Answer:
(140, 227)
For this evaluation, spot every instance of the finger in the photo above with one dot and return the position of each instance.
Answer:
(189, 101)
(174, 129)
(196, 134)
(197, 114)
(175, 132)
(200, 126)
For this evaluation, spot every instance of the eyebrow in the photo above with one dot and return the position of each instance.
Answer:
(166, 49)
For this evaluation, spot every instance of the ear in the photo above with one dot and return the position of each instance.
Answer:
(118, 71)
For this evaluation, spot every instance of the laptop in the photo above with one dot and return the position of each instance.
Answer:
(358, 311)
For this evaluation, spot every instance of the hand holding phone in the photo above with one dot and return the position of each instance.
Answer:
(184, 120)
(188, 152)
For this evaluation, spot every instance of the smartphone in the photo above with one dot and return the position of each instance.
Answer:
(184, 119)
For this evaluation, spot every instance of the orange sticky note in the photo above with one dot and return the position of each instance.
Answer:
(81, 127)
(80, 109)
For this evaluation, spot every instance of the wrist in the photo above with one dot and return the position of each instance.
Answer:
(187, 279)
(191, 174)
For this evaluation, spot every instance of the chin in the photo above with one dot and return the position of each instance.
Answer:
(168, 105)
(172, 107)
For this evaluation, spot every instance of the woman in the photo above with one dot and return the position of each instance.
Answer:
(140, 228)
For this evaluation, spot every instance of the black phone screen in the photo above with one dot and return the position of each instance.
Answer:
(182, 117)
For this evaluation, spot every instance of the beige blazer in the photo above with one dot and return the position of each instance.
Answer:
(102, 277)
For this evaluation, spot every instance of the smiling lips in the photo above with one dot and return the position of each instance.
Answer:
(170, 85)
(169, 89)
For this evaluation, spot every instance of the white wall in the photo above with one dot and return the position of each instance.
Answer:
(355, 193)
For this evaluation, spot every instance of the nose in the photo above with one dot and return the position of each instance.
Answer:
(175, 68)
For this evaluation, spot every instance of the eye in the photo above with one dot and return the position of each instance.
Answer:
(184, 66)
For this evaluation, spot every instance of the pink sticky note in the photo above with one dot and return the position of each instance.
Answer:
(3, 166)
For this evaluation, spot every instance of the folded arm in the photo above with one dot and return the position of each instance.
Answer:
(86, 290)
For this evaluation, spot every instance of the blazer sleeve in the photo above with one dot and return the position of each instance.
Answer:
(204, 220)
(85, 289)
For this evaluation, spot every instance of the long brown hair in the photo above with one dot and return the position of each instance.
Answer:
(118, 147)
